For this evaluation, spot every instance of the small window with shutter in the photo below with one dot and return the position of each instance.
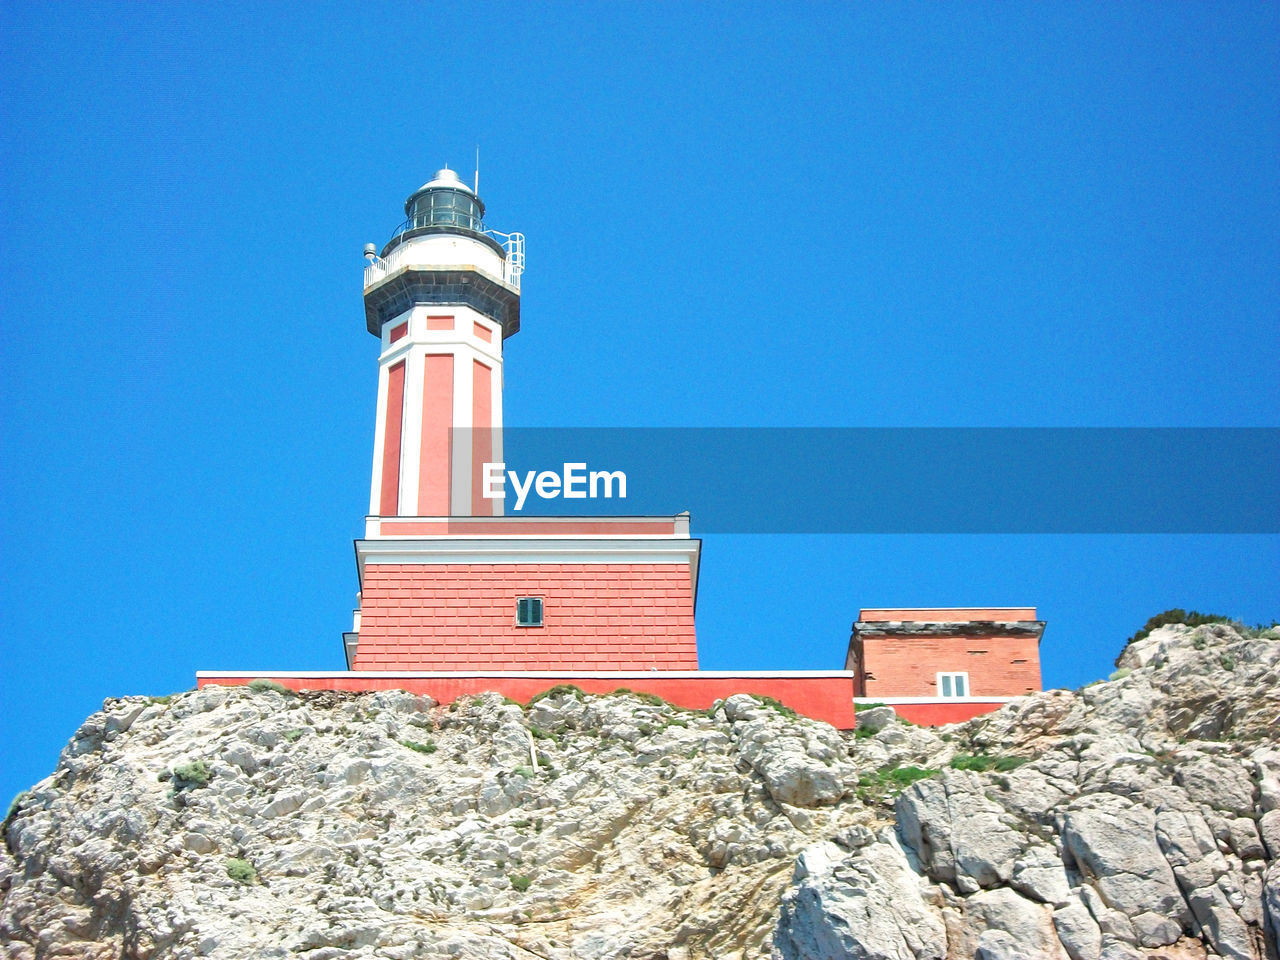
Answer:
(529, 612)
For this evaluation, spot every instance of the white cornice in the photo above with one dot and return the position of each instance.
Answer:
(524, 550)
(509, 526)
(536, 675)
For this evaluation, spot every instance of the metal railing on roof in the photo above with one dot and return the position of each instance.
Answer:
(512, 264)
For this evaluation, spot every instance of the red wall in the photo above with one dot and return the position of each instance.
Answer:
(828, 699)
(462, 617)
(907, 666)
(435, 466)
(389, 501)
(481, 436)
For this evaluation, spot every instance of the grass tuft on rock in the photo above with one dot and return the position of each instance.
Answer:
(559, 690)
(191, 775)
(428, 746)
(652, 699)
(893, 779)
(981, 762)
(14, 807)
(262, 685)
(241, 871)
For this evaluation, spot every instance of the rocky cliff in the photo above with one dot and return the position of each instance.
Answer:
(1134, 818)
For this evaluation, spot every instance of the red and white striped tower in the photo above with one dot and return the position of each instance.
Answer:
(444, 575)
(442, 297)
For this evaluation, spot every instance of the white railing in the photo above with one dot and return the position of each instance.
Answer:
(512, 264)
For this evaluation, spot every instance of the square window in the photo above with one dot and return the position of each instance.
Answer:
(953, 684)
(529, 612)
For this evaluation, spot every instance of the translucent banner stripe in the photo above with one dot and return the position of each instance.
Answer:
(913, 480)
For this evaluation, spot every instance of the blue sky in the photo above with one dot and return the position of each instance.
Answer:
(737, 214)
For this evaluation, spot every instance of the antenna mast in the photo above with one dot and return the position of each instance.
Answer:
(477, 186)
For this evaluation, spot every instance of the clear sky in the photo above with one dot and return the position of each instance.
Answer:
(737, 214)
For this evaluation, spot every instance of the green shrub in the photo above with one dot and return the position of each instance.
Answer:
(652, 699)
(905, 776)
(191, 775)
(416, 747)
(1177, 615)
(1005, 764)
(262, 685)
(970, 761)
(1228, 661)
(526, 772)
(776, 705)
(519, 882)
(982, 762)
(861, 733)
(14, 807)
(1119, 674)
(165, 700)
(895, 778)
(559, 690)
(241, 871)
(294, 735)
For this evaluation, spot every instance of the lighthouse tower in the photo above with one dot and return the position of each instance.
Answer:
(448, 582)
(441, 297)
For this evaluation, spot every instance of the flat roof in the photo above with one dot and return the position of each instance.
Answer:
(945, 614)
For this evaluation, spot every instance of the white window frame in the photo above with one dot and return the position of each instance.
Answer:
(952, 676)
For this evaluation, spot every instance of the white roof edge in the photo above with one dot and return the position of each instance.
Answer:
(530, 674)
(568, 518)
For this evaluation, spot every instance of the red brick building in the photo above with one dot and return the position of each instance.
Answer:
(942, 664)
(526, 593)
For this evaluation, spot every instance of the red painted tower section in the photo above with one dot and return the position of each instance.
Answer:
(444, 575)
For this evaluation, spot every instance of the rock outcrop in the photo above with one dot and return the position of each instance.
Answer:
(1135, 818)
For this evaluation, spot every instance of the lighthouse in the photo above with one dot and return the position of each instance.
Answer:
(441, 296)
(458, 597)
(448, 579)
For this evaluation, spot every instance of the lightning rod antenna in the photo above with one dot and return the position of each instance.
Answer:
(477, 186)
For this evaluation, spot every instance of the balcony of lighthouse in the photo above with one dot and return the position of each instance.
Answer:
(499, 256)
(445, 225)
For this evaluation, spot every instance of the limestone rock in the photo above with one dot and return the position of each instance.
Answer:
(871, 907)
(876, 719)
(1142, 823)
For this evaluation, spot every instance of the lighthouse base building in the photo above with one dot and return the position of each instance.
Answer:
(526, 593)
(456, 598)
